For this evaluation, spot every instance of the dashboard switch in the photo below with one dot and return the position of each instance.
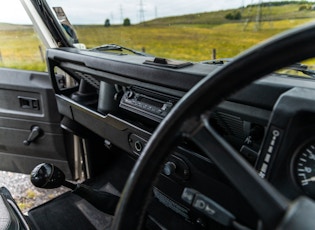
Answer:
(188, 195)
(212, 209)
(207, 206)
(249, 154)
(169, 168)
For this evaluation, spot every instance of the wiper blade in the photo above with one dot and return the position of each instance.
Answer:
(114, 47)
(217, 61)
(303, 69)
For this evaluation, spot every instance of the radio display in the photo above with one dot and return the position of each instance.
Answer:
(149, 101)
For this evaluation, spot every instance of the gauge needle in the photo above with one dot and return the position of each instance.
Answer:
(309, 179)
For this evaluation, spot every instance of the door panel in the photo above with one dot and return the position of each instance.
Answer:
(27, 102)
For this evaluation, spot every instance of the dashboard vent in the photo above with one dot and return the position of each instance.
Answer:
(230, 127)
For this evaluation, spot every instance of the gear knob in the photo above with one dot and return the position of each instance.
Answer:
(47, 176)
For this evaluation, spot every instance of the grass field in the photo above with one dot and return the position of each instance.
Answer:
(186, 42)
(190, 37)
(20, 48)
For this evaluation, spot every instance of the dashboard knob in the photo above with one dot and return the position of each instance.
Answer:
(169, 168)
(130, 94)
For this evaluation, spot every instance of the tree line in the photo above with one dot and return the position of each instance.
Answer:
(281, 3)
(126, 22)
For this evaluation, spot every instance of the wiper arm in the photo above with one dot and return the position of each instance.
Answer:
(303, 69)
(114, 47)
(217, 61)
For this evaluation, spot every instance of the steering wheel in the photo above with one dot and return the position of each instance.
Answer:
(188, 119)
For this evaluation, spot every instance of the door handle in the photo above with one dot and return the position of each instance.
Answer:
(36, 132)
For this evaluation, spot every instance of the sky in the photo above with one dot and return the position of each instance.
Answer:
(96, 11)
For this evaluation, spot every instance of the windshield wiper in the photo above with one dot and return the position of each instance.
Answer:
(302, 68)
(217, 61)
(114, 47)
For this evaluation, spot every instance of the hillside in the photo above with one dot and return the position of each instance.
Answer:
(269, 12)
(8, 26)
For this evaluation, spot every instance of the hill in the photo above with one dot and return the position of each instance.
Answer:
(272, 11)
(8, 26)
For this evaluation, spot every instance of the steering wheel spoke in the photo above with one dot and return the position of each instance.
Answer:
(272, 205)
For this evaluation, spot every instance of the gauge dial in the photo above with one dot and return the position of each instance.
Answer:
(305, 169)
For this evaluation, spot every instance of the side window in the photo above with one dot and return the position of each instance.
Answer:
(20, 47)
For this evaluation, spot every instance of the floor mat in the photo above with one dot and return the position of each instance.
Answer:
(69, 211)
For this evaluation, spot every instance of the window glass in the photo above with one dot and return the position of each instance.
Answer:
(20, 47)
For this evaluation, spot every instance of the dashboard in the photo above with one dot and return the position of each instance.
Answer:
(123, 98)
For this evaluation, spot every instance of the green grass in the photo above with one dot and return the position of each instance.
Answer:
(194, 43)
(20, 48)
(188, 37)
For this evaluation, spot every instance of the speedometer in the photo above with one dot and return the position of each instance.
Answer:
(304, 168)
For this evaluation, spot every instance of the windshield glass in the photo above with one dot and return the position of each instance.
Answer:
(181, 29)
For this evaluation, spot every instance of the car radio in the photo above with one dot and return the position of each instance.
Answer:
(142, 102)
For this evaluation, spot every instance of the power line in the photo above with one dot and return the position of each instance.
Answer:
(258, 17)
(121, 14)
(141, 12)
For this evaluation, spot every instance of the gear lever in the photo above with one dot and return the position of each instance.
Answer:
(49, 176)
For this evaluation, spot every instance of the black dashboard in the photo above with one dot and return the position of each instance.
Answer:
(122, 98)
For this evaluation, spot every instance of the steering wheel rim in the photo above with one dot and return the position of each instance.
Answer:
(283, 50)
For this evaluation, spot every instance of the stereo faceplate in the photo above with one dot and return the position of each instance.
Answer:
(141, 102)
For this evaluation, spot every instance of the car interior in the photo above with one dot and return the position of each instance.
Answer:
(164, 144)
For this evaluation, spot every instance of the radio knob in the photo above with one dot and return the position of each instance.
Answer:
(169, 168)
(130, 94)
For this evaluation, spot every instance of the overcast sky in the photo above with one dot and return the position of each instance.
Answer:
(116, 10)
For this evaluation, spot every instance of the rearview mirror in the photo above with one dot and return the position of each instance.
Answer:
(68, 28)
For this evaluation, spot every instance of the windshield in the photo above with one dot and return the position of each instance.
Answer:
(180, 29)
